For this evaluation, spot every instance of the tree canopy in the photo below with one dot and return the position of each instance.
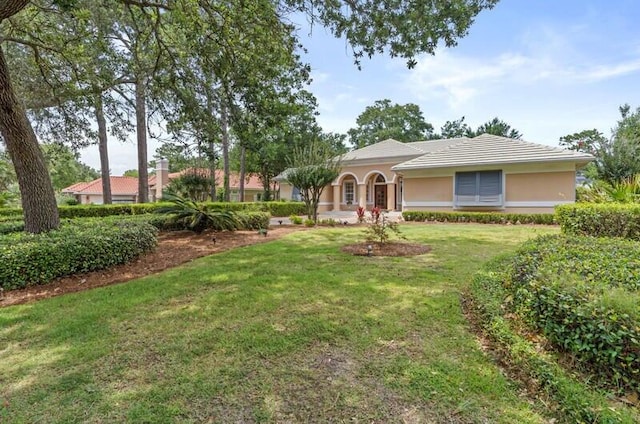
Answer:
(220, 41)
(617, 157)
(385, 120)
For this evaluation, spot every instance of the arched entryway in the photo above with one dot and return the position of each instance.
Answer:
(380, 192)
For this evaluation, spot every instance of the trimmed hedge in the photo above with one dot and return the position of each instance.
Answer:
(480, 217)
(93, 211)
(575, 401)
(78, 246)
(583, 294)
(14, 226)
(248, 221)
(600, 219)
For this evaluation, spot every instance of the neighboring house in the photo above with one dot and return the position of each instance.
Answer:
(484, 173)
(252, 185)
(125, 189)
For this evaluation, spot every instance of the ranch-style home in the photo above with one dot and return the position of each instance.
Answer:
(484, 173)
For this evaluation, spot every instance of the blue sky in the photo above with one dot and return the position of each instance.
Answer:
(547, 67)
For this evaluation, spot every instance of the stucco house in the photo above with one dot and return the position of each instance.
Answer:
(125, 189)
(484, 173)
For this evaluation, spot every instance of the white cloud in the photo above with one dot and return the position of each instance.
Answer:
(458, 79)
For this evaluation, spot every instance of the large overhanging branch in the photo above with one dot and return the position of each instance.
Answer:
(8, 8)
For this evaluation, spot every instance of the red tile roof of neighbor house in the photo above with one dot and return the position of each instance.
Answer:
(251, 182)
(119, 186)
(129, 185)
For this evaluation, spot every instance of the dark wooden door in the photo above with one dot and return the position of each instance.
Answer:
(381, 196)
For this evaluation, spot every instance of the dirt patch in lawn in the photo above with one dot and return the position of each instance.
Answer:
(387, 249)
(174, 248)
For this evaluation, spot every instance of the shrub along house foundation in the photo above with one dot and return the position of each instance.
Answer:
(484, 173)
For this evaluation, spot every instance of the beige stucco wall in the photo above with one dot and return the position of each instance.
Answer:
(527, 189)
(429, 189)
(286, 190)
(541, 187)
(361, 172)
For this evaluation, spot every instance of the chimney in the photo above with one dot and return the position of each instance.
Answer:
(162, 177)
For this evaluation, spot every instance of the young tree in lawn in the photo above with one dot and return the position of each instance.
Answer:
(312, 168)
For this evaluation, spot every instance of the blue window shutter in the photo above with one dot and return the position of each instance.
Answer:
(466, 184)
(490, 187)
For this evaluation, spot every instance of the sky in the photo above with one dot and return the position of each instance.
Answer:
(547, 67)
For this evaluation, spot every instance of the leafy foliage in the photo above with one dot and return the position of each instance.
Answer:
(312, 169)
(497, 127)
(480, 217)
(78, 246)
(575, 401)
(600, 219)
(197, 217)
(195, 186)
(583, 295)
(384, 120)
(379, 227)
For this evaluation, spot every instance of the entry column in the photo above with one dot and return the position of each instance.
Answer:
(391, 196)
(336, 197)
(362, 195)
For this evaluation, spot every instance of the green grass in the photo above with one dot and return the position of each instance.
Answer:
(293, 330)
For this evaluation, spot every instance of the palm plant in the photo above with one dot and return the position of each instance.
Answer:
(197, 217)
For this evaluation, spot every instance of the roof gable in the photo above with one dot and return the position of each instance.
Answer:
(487, 149)
(384, 149)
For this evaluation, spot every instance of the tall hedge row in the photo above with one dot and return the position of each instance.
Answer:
(583, 294)
(93, 211)
(78, 246)
(600, 219)
(573, 400)
(480, 217)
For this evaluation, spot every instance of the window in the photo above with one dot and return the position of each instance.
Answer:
(349, 191)
(296, 195)
(483, 188)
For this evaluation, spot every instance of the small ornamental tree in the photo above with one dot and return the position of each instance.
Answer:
(312, 169)
(380, 228)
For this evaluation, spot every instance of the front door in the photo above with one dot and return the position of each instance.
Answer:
(381, 196)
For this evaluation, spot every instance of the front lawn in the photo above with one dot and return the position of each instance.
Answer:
(288, 331)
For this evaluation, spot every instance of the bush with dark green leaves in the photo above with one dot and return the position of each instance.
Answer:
(480, 217)
(600, 219)
(574, 400)
(583, 294)
(78, 246)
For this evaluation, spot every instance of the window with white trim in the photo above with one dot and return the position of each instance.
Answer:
(349, 191)
(480, 188)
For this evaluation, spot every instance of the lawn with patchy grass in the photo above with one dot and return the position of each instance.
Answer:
(289, 331)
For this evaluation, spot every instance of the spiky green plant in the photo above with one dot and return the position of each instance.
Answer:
(196, 217)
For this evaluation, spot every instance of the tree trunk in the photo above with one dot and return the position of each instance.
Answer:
(141, 132)
(225, 152)
(38, 198)
(212, 169)
(104, 154)
(243, 153)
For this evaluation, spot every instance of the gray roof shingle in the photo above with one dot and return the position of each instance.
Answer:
(489, 149)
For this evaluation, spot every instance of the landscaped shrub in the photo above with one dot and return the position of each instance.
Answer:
(296, 220)
(13, 226)
(78, 246)
(574, 401)
(480, 217)
(600, 219)
(583, 294)
(248, 220)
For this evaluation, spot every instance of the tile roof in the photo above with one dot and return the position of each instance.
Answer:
(251, 181)
(489, 149)
(120, 186)
(391, 148)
